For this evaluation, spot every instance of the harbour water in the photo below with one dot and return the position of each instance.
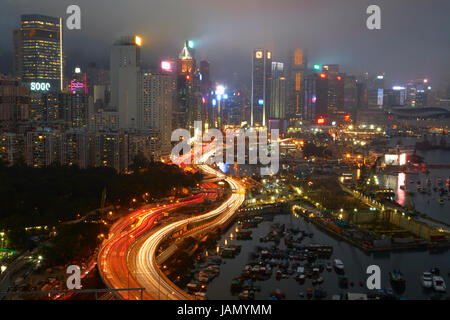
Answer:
(411, 263)
(424, 203)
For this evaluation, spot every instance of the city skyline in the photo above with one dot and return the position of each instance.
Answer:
(205, 150)
(342, 39)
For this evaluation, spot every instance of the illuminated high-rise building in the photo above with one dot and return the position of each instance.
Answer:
(43, 147)
(336, 86)
(125, 63)
(296, 74)
(38, 52)
(75, 148)
(261, 86)
(417, 92)
(187, 107)
(206, 89)
(74, 109)
(78, 82)
(105, 149)
(14, 104)
(158, 97)
(186, 61)
(316, 97)
(12, 147)
(350, 95)
(278, 92)
(44, 108)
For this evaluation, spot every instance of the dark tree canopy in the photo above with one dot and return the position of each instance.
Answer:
(36, 196)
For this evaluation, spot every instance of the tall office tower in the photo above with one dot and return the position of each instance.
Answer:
(375, 91)
(361, 100)
(236, 108)
(350, 95)
(75, 148)
(78, 82)
(12, 147)
(335, 88)
(331, 69)
(14, 104)
(417, 92)
(316, 97)
(296, 73)
(43, 147)
(261, 86)
(411, 92)
(158, 99)
(195, 103)
(278, 92)
(206, 88)
(186, 68)
(378, 82)
(125, 62)
(38, 52)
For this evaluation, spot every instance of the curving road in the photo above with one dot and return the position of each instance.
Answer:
(112, 258)
(148, 273)
(128, 258)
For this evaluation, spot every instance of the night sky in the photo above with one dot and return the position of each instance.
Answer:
(414, 40)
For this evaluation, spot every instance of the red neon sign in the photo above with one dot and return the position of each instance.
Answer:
(321, 121)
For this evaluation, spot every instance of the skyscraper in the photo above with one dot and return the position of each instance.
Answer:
(188, 105)
(74, 109)
(350, 95)
(43, 147)
(125, 62)
(278, 92)
(261, 77)
(206, 88)
(14, 104)
(296, 73)
(316, 96)
(158, 97)
(75, 148)
(105, 149)
(38, 52)
(335, 88)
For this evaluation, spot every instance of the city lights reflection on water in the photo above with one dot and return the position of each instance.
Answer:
(401, 182)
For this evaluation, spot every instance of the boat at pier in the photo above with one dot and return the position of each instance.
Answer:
(427, 280)
(439, 284)
(338, 265)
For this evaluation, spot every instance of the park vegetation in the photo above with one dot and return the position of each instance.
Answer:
(52, 195)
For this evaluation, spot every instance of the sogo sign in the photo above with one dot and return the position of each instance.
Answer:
(40, 86)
